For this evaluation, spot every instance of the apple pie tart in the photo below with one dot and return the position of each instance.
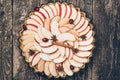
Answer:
(57, 39)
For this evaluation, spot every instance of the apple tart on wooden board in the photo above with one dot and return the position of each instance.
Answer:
(57, 39)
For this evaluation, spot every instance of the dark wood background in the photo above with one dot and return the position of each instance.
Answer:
(105, 17)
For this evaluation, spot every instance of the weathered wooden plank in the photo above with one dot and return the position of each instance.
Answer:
(6, 40)
(106, 20)
(21, 69)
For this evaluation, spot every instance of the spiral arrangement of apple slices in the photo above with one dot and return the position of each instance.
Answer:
(57, 39)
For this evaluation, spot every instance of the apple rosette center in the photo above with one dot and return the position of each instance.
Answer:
(57, 39)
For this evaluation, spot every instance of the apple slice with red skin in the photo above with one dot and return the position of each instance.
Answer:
(86, 47)
(37, 19)
(36, 59)
(69, 11)
(30, 58)
(31, 27)
(49, 50)
(61, 50)
(76, 21)
(49, 11)
(80, 60)
(84, 54)
(86, 42)
(27, 32)
(46, 69)
(88, 35)
(54, 55)
(84, 26)
(67, 52)
(85, 31)
(75, 63)
(63, 10)
(67, 69)
(41, 15)
(59, 59)
(64, 29)
(45, 57)
(52, 6)
(74, 13)
(80, 24)
(70, 54)
(41, 65)
(66, 37)
(46, 44)
(56, 18)
(44, 12)
(58, 8)
(52, 69)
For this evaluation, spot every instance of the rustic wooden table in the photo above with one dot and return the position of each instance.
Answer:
(105, 17)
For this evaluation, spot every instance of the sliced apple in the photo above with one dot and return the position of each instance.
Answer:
(51, 49)
(83, 26)
(37, 37)
(67, 52)
(63, 10)
(54, 55)
(61, 50)
(70, 26)
(47, 24)
(27, 46)
(63, 21)
(64, 29)
(81, 60)
(46, 33)
(42, 16)
(54, 28)
(75, 63)
(31, 27)
(27, 36)
(43, 11)
(52, 6)
(85, 31)
(88, 35)
(46, 44)
(74, 13)
(76, 44)
(76, 69)
(49, 10)
(26, 41)
(37, 46)
(28, 32)
(86, 42)
(52, 69)
(58, 8)
(36, 59)
(32, 22)
(81, 22)
(41, 65)
(56, 18)
(84, 54)
(87, 47)
(67, 69)
(45, 57)
(37, 19)
(59, 60)
(66, 37)
(68, 13)
(77, 18)
(73, 31)
(71, 54)
(46, 69)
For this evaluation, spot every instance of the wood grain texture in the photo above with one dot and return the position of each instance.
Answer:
(103, 14)
(6, 39)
